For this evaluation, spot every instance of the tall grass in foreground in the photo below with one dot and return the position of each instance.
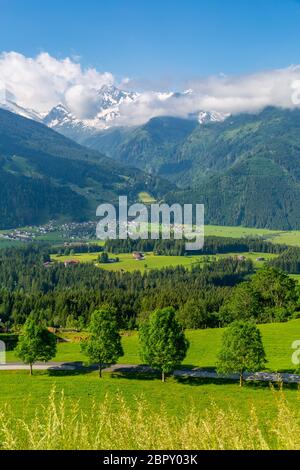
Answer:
(107, 425)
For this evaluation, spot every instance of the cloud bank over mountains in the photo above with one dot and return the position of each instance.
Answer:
(43, 82)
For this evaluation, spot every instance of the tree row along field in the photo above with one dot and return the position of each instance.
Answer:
(204, 346)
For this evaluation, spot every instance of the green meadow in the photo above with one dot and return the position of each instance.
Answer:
(176, 395)
(288, 237)
(146, 198)
(152, 261)
(204, 347)
(136, 411)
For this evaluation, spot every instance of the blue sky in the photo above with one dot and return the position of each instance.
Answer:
(166, 40)
(229, 56)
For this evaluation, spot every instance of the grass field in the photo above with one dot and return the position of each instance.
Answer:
(288, 237)
(204, 347)
(238, 232)
(276, 236)
(146, 198)
(128, 263)
(65, 411)
(130, 411)
(296, 277)
(177, 395)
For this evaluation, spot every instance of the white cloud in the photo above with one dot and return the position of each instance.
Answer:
(224, 94)
(82, 101)
(42, 82)
(249, 92)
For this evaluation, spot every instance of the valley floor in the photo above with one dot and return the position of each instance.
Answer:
(152, 261)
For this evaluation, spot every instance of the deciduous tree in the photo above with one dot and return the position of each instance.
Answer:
(242, 350)
(36, 343)
(163, 343)
(103, 346)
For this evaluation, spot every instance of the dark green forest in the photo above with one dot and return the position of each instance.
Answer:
(62, 296)
(288, 261)
(213, 245)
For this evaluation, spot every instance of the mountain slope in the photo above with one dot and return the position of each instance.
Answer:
(152, 147)
(255, 193)
(44, 175)
(167, 143)
(63, 121)
(273, 133)
(245, 169)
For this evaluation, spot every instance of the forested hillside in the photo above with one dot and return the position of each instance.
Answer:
(246, 170)
(44, 175)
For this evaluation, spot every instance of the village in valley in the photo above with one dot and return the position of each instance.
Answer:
(67, 231)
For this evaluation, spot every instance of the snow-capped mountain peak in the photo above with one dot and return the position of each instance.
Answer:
(108, 108)
(58, 115)
(111, 96)
(62, 120)
(109, 100)
(205, 117)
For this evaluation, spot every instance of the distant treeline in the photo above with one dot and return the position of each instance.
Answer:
(288, 261)
(213, 245)
(76, 248)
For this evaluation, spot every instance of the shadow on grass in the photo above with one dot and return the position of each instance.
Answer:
(192, 381)
(193, 367)
(79, 369)
(198, 381)
(135, 376)
(256, 385)
(145, 373)
(138, 372)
